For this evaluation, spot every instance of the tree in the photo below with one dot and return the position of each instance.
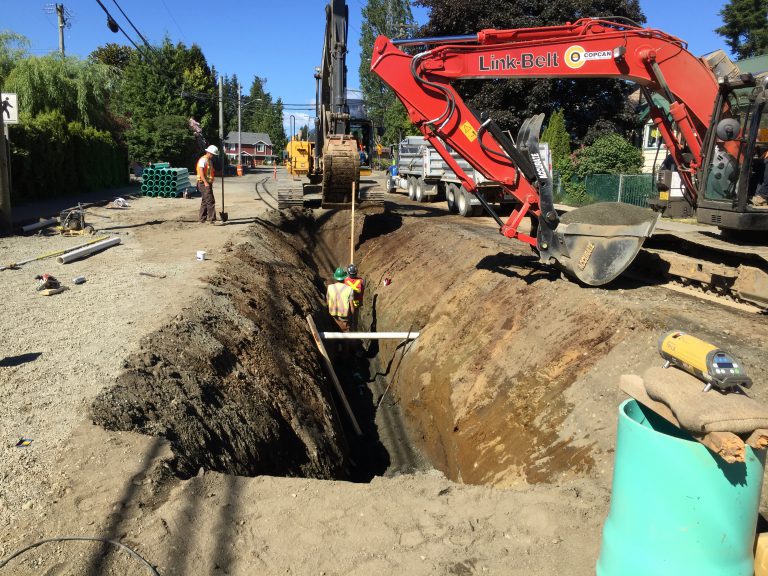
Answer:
(111, 54)
(79, 89)
(391, 18)
(263, 115)
(13, 47)
(510, 102)
(610, 154)
(745, 27)
(557, 137)
(181, 84)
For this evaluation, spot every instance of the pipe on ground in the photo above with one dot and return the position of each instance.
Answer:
(369, 335)
(38, 225)
(88, 250)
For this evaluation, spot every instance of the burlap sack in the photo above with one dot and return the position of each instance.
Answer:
(702, 412)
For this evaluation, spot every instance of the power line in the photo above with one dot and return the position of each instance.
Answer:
(131, 23)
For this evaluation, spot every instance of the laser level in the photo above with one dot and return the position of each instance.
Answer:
(712, 365)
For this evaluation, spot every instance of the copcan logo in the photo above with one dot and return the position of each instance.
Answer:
(575, 56)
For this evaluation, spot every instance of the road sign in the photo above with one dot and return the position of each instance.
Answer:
(9, 108)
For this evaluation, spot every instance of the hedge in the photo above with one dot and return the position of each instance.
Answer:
(51, 157)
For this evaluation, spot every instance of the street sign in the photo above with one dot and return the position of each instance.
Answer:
(9, 108)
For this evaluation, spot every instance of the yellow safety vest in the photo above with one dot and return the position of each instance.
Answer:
(207, 169)
(340, 298)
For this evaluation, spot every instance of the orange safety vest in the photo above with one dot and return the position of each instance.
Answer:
(358, 287)
(205, 166)
(340, 299)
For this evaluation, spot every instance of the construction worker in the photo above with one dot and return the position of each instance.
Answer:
(358, 288)
(205, 185)
(340, 298)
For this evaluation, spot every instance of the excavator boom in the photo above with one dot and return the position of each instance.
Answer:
(593, 245)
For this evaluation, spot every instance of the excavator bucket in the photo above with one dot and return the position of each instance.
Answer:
(596, 243)
(593, 244)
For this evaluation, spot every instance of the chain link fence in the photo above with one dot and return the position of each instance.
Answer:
(628, 188)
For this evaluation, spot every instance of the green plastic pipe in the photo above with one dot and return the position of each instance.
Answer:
(676, 507)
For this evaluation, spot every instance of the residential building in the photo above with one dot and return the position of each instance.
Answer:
(256, 148)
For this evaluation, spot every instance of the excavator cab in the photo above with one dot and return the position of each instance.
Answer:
(733, 167)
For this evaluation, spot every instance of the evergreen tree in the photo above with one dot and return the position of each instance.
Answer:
(745, 27)
(586, 103)
(265, 116)
(393, 19)
(182, 87)
(557, 137)
(115, 55)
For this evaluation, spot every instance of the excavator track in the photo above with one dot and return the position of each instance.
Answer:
(341, 168)
(290, 197)
(708, 263)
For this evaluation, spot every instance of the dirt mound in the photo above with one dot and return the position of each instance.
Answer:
(234, 381)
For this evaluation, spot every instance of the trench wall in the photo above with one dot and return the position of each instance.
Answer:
(234, 381)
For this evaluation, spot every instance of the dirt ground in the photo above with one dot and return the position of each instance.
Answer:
(510, 392)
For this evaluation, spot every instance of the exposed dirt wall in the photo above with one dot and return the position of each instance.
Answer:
(234, 381)
(502, 340)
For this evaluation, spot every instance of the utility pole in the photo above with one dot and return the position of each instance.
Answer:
(6, 224)
(239, 138)
(62, 24)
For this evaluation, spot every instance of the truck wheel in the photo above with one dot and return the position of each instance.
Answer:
(390, 183)
(419, 197)
(478, 210)
(451, 191)
(411, 187)
(464, 204)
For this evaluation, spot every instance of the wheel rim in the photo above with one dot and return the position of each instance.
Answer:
(450, 196)
(462, 203)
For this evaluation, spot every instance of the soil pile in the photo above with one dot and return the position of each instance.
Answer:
(234, 382)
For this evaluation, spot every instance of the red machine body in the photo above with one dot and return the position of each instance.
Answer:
(589, 48)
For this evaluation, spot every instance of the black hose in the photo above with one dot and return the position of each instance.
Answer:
(85, 539)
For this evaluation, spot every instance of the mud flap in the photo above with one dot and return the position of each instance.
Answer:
(593, 244)
(596, 243)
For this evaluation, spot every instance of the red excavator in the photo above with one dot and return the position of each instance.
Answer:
(714, 127)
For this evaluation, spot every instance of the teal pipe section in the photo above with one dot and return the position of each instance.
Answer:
(677, 508)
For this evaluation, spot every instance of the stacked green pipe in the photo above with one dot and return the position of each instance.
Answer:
(162, 181)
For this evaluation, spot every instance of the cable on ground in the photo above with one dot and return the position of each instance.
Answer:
(130, 551)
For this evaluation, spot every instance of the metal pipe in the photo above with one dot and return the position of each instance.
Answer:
(38, 225)
(369, 335)
(435, 40)
(88, 250)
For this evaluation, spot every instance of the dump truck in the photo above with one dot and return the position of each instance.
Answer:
(422, 172)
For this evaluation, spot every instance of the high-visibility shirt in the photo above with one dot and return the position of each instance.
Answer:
(340, 299)
(358, 287)
(205, 169)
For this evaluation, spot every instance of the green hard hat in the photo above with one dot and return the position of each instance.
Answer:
(340, 274)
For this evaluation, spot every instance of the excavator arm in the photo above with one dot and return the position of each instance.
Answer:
(594, 246)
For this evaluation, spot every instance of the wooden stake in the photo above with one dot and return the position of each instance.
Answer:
(352, 226)
(336, 383)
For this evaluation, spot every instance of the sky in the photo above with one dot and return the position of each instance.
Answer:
(277, 40)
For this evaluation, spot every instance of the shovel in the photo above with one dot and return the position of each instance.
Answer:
(223, 215)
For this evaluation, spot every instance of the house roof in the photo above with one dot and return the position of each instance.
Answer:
(755, 65)
(249, 138)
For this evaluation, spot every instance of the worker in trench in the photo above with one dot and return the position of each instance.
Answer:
(341, 304)
(358, 290)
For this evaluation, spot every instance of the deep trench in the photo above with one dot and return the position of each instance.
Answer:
(236, 385)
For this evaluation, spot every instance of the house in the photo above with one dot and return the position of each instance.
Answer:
(255, 147)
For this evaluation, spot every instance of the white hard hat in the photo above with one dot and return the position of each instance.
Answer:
(213, 150)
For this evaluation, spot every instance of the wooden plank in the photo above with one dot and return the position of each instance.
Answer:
(727, 445)
(336, 383)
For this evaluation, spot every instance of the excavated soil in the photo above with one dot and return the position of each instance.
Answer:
(510, 392)
(234, 383)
